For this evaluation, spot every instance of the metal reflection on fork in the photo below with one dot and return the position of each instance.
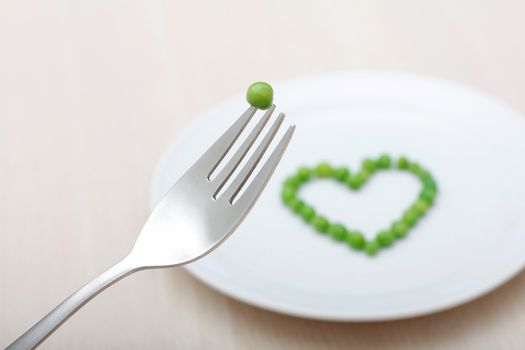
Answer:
(197, 214)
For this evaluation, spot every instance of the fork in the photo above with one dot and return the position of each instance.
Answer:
(197, 214)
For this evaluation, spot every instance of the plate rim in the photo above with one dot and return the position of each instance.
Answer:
(259, 301)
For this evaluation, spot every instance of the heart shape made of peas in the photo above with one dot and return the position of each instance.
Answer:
(355, 239)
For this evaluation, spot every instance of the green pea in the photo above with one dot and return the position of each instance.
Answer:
(384, 161)
(323, 170)
(303, 174)
(288, 194)
(403, 163)
(320, 223)
(353, 182)
(291, 202)
(297, 206)
(430, 184)
(420, 206)
(355, 239)
(423, 175)
(385, 238)
(369, 165)
(414, 168)
(410, 217)
(338, 232)
(260, 95)
(427, 195)
(362, 176)
(292, 181)
(307, 213)
(400, 229)
(371, 248)
(341, 174)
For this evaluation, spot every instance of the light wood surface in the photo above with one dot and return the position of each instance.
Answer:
(91, 92)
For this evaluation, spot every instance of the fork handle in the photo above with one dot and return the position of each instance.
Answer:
(46, 326)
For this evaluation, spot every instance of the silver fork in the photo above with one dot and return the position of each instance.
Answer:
(191, 220)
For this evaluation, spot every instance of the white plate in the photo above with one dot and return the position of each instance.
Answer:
(472, 240)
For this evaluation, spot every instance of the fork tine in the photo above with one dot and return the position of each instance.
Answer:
(215, 154)
(237, 158)
(253, 191)
(245, 172)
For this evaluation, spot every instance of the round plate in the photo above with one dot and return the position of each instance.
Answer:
(470, 242)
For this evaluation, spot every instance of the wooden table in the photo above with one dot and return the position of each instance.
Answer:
(91, 92)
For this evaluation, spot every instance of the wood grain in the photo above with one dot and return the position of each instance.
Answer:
(92, 92)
